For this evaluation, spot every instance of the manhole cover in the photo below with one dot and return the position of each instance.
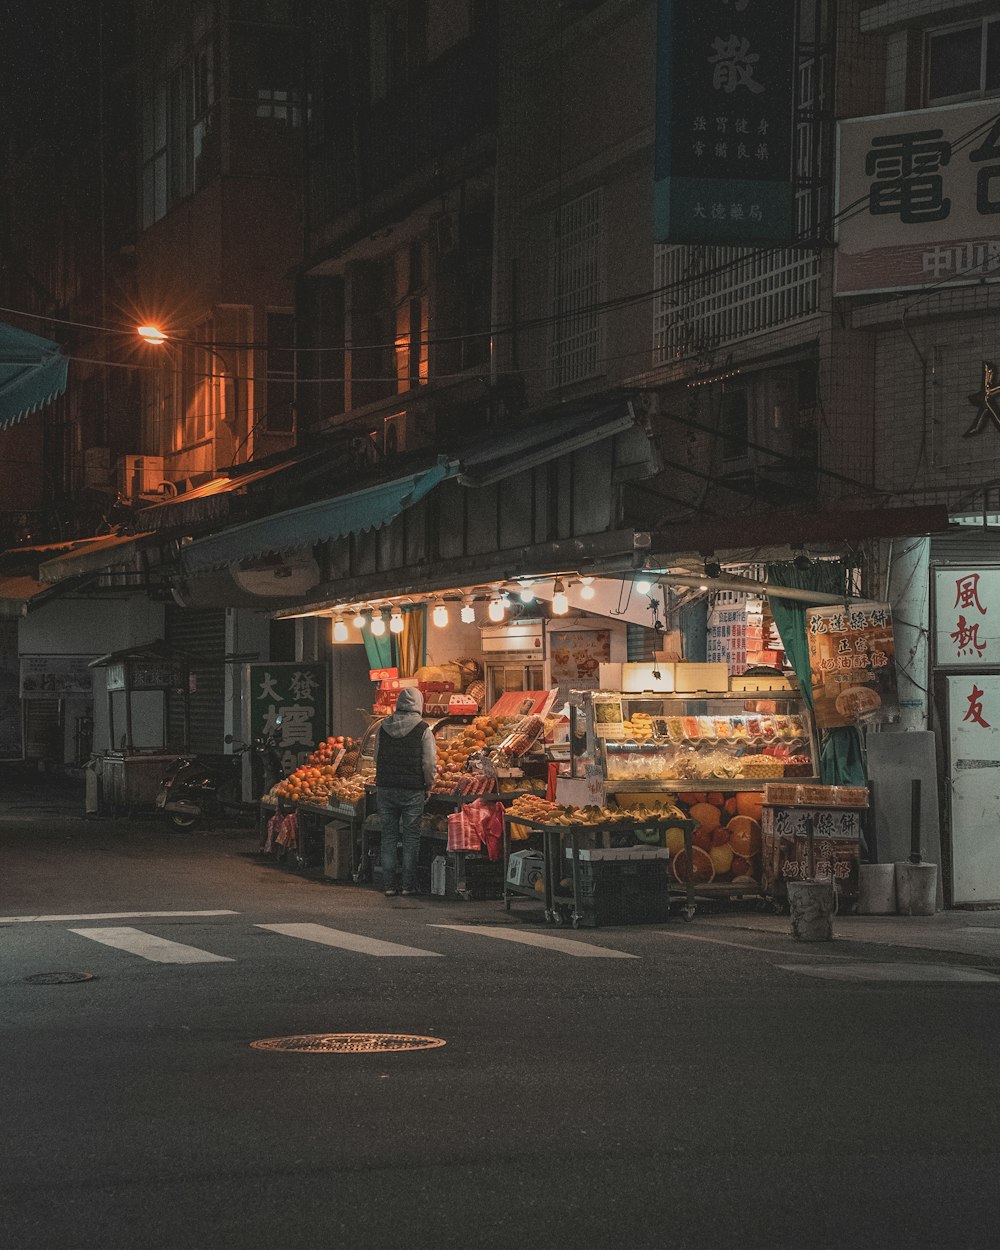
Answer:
(348, 1043)
(58, 978)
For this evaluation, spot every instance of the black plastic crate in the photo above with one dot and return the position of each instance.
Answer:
(630, 891)
(483, 878)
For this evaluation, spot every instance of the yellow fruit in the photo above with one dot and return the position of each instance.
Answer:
(722, 858)
(675, 839)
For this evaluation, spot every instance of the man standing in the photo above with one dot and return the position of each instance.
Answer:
(405, 760)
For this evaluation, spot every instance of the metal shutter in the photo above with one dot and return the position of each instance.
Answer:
(201, 634)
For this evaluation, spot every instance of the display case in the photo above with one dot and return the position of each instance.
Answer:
(678, 743)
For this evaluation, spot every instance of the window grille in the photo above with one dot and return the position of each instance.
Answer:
(577, 286)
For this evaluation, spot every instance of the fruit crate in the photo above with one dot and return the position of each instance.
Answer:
(483, 878)
(619, 892)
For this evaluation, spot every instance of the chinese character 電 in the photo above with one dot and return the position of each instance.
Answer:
(906, 179)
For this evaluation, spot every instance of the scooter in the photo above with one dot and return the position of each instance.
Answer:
(197, 786)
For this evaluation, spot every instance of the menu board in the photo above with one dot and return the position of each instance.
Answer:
(852, 663)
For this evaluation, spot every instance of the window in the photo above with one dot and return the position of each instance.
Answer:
(179, 151)
(963, 62)
(407, 275)
(280, 372)
(577, 286)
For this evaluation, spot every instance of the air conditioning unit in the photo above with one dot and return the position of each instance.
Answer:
(139, 475)
(403, 431)
(99, 468)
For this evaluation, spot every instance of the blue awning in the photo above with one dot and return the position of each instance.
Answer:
(318, 522)
(33, 372)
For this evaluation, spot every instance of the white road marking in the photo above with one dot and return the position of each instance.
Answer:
(347, 941)
(891, 972)
(116, 915)
(148, 946)
(546, 941)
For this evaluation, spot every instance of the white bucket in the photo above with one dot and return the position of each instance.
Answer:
(916, 889)
(877, 890)
(811, 906)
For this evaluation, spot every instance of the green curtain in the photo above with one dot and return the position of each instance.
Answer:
(840, 759)
(379, 649)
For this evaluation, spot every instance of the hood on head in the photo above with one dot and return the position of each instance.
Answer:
(410, 700)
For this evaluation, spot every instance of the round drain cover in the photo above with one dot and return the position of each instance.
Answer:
(58, 978)
(348, 1043)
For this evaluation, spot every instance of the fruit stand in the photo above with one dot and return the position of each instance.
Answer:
(710, 755)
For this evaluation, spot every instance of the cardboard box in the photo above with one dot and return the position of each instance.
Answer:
(524, 868)
(337, 851)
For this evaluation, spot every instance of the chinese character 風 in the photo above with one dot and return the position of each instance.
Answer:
(967, 592)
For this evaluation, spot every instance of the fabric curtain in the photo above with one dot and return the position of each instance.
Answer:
(411, 644)
(840, 758)
(379, 649)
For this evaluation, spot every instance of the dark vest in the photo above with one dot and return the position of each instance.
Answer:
(400, 764)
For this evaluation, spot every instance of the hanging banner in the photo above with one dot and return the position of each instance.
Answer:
(967, 617)
(725, 75)
(852, 664)
(289, 702)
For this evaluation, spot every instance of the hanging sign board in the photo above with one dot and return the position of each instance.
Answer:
(289, 702)
(725, 75)
(852, 664)
(967, 617)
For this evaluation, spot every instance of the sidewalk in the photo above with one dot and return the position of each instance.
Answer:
(956, 932)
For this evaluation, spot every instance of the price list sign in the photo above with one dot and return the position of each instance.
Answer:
(852, 664)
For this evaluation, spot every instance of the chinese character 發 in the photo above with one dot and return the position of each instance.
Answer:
(907, 183)
(975, 712)
(967, 592)
(966, 638)
(267, 690)
(303, 685)
(734, 64)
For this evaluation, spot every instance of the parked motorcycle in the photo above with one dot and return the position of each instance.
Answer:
(198, 786)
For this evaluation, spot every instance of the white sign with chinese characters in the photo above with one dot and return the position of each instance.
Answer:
(967, 616)
(918, 198)
(974, 751)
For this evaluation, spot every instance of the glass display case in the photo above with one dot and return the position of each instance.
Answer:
(683, 742)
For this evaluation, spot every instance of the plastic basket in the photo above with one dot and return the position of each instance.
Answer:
(619, 892)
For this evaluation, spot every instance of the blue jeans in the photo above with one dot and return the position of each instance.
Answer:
(399, 814)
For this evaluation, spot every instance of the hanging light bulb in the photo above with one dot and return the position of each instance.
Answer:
(560, 600)
(468, 612)
(360, 620)
(440, 615)
(340, 633)
(643, 586)
(378, 623)
(527, 592)
(496, 609)
(587, 588)
(396, 621)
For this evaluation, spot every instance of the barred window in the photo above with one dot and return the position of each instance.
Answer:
(577, 287)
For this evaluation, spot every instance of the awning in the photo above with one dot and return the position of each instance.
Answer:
(16, 593)
(33, 371)
(313, 523)
(497, 458)
(94, 555)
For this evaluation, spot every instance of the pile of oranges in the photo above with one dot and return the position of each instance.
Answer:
(483, 733)
(313, 781)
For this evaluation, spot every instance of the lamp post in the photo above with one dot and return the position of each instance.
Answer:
(153, 335)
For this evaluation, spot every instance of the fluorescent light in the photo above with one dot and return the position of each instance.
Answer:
(644, 586)
(360, 620)
(527, 592)
(560, 600)
(440, 615)
(587, 588)
(468, 613)
(378, 623)
(340, 633)
(496, 609)
(396, 621)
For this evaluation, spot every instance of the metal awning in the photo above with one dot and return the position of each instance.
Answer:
(327, 519)
(498, 458)
(33, 372)
(95, 555)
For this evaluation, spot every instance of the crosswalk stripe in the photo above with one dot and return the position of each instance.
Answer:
(346, 941)
(148, 946)
(546, 941)
(115, 915)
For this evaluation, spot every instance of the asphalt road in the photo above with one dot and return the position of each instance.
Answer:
(681, 1085)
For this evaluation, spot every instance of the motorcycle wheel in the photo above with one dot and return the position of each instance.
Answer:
(182, 820)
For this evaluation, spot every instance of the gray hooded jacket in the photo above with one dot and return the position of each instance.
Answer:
(409, 710)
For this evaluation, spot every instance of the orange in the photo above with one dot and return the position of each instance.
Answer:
(702, 868)
(744, 836)
(750, 803)
(707, 815)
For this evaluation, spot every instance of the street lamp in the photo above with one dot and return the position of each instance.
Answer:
(156, 337)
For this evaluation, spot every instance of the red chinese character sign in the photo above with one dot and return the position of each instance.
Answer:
(852, 663)
(967, 616)
(918, 201)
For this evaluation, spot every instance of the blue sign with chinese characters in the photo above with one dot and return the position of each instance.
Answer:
(724, 122)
